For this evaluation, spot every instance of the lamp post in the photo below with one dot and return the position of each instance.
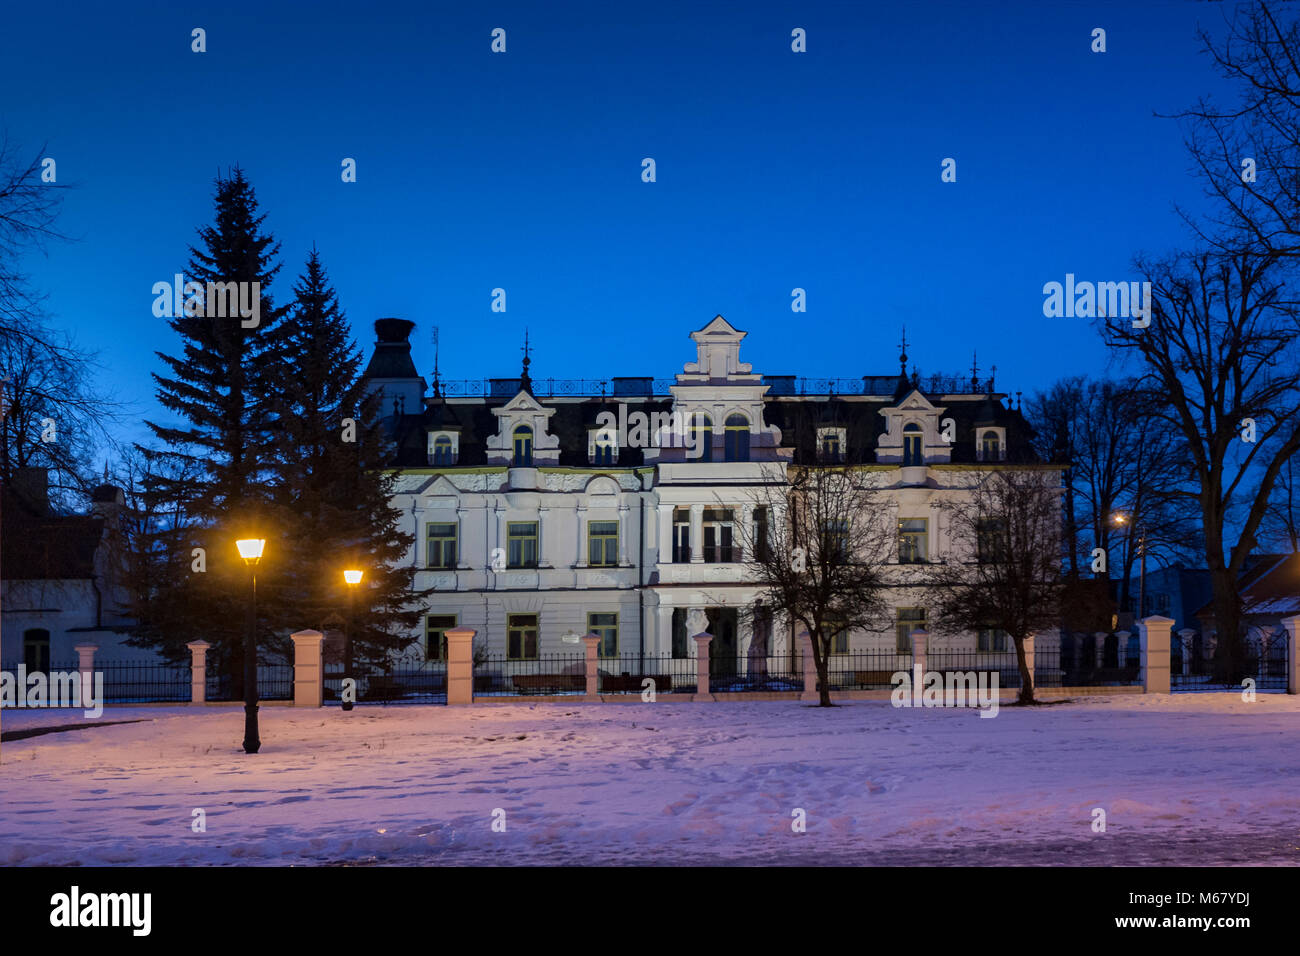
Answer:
(352, 578)
(1121, 520)
(250, 549)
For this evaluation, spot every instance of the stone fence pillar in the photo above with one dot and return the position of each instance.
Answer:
(593, 665)
(1099, 649)
(198, 671)
(308, 671)
(809, 667)
(460, 665)
(1154, 636)
(1292, 625)
(702, 665)
(1121, 648)
(86, 660)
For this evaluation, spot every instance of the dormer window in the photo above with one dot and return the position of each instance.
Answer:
(912, 451)
(442, 453)
(523, 447)
(736, 445)
(830, 445)
(990, 446)
(602, 449)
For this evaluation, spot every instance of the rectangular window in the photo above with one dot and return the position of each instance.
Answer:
(718, 530)
(909, 619)
(436, 627)
(760, 534)
(681, 535)
(831, 450)
(990, 540)
(991, 639)
(521, 544)
(602, 544)
(913, 540)
(605, 626)
(442, 544)
(839, 638)
(521, 637)
(835, 540)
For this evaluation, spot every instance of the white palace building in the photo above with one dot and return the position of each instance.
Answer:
(532, 521)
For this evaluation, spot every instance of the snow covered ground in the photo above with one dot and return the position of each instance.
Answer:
(1195, 779)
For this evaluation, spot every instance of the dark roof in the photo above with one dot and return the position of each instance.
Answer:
(797, 417)
(392, 357)
(46, 547)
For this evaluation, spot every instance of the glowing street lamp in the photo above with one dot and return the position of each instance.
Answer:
(352, 578)
(1121, 519)
(250, 549)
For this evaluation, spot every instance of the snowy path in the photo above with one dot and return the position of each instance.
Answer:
(1183, 780)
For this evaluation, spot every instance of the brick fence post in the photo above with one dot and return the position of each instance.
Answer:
(198, 671)
(702, 665)
(1154, 636)
(308, 672)
(920, 654)
(460, 665)
(809, 667)
(1292, 625)
(593, 665)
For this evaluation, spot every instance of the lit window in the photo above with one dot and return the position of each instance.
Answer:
(521, 544)
(523, 447)
(990, 447)
(913, 535)
(602, 543)
(604, 626)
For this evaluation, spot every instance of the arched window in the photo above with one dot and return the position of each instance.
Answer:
(912, 445)
(737, 438)
(523, 447)
(831, 450)
(990, 447)
(701, 448)
(442, 450)
(36, 650)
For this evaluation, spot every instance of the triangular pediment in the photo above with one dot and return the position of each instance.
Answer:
(913, 401)
(523, 402)
(719, 327)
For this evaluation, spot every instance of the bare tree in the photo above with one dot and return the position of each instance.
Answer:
(1003, 565)
(820, 555)
(1282, 523)
(1222, 351)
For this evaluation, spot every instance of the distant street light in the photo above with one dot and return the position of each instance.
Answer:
(250, 549)
(353, 578)
(1121, 519)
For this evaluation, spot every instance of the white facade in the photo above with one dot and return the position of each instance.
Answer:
(636, 512)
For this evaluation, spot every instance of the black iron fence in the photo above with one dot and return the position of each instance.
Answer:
(139, 682)
(629, 673)
(548, 674)
(1194, 668)
(734, 674)
(274, 682)
(423, 683)
(866, 670)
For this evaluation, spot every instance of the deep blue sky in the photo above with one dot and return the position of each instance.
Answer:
(476, 170)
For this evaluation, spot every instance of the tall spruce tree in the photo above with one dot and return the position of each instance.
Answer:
(219, 446)
(333, 485)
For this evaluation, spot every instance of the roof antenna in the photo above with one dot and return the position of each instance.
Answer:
(436, 384)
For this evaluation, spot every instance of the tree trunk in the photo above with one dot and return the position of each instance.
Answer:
(823, 664)
(1229, 649)
(1026, 695)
